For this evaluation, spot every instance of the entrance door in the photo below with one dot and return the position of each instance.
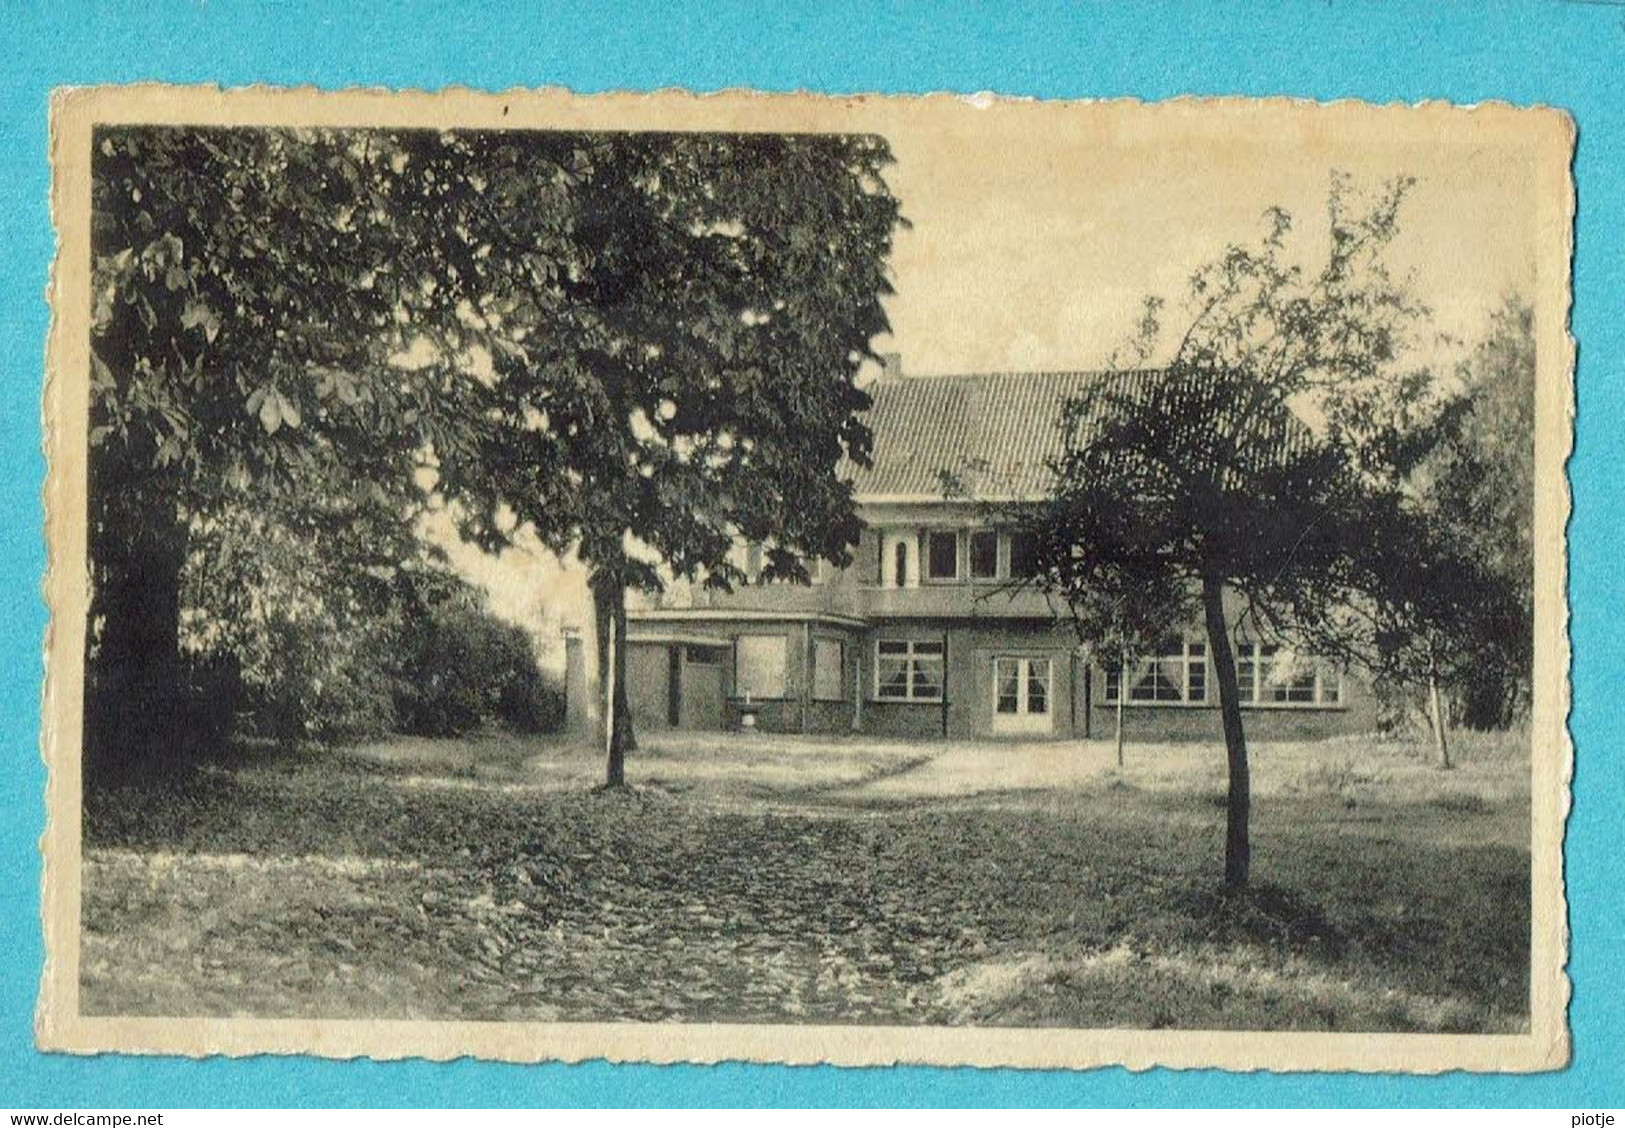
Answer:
(700, 688)
(1022, 695)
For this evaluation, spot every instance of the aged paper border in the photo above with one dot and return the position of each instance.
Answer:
(1549, 135)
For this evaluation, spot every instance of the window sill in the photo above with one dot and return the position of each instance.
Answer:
(1295, 706)
(1247, 706)
(905, 701)
(1112, 704)
(974, 582)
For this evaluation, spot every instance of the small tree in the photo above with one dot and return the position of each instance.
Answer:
(1236, 480)
(1121, 630)
(1430, 614)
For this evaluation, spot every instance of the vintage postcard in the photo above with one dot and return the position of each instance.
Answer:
(956, 580)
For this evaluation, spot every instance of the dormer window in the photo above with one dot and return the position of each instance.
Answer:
(942, 556)
(1023, 556)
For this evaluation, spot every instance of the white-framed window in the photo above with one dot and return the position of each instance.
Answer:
(908, 671)
(1023, 698)
(759, 663)
(1270, 675)
(942, 555)
(1175, 674)
(828, 682)
(984, 555)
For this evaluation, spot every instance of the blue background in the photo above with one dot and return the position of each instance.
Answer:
(1566, 54)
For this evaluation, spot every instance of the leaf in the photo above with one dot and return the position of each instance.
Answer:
(101, 376)
(271, 412)
(197, 314)
(509, 349)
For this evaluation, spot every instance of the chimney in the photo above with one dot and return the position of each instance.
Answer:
(891, 364)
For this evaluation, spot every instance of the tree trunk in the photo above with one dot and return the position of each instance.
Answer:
(1237, 849)
(134, 677)
(1441, 741)
(609, 627)
(623, 699)
(1122, 695)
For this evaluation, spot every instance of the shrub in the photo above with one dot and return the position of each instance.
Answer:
(532, 705)
(315, 683)
(305, 648)
(466, 669)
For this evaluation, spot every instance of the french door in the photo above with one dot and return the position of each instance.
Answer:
(1023, 698)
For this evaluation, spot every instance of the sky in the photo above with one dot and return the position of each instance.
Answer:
(1038, 230)
(1034, 249)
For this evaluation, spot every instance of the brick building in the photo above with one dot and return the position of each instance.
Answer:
(932, 630)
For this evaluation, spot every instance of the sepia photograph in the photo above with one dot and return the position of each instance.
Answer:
(806, 579)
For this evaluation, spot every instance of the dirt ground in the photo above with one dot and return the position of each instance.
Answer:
(796, 879)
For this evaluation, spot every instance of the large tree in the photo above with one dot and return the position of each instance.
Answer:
(1447, 583)
(1234, 481)
(279, 346)
(643, 346)
(1479, 481)
(688, 380)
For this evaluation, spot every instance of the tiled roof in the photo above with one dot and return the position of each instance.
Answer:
(994, 431)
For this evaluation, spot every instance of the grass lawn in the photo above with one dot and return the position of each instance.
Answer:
(794, 880)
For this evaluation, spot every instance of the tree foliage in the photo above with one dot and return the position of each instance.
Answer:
(248, 288)
(299, 604)
(688, 377)
(1478, 486)
(588, 334)
(279, 349)
(1443, 603)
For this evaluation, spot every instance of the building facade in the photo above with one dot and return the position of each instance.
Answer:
(935, 629)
